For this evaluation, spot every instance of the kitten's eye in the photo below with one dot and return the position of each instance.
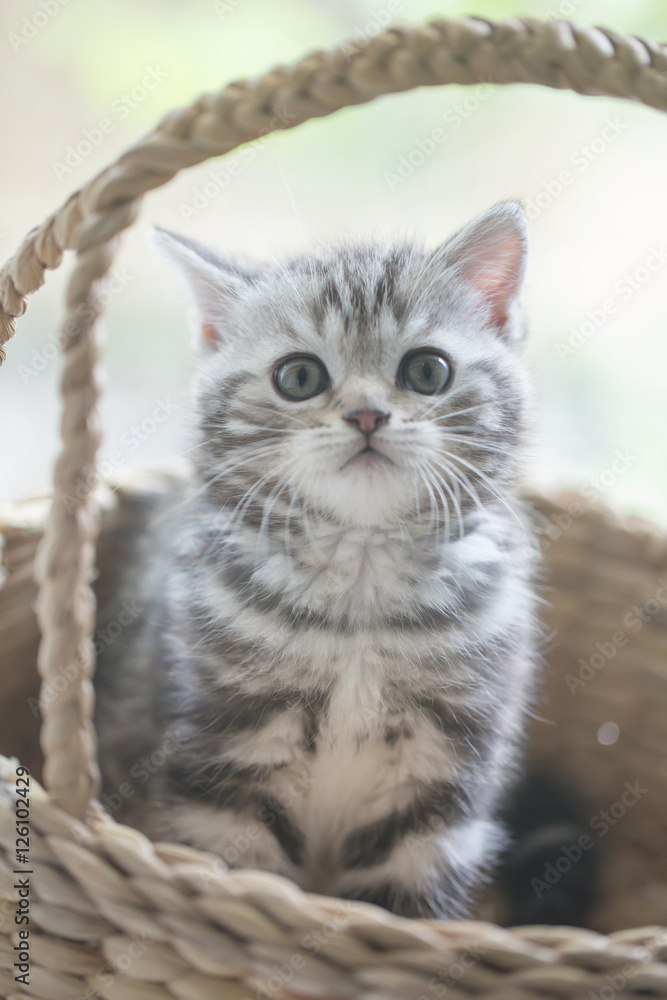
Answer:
(425, 371)
(301, 377)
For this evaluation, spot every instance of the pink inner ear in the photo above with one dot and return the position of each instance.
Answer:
(496, 271)
(210, 334)
(499, 284)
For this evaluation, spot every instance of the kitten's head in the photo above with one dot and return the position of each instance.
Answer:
(370, 383)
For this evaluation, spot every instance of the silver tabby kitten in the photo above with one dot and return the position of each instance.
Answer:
(335, 659)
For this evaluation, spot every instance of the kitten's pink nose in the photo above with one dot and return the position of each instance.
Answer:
(367, 421)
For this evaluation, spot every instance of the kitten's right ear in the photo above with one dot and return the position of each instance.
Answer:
(214, 282)
(490, 256)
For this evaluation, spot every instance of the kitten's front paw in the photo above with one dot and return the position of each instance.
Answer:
(430, 875)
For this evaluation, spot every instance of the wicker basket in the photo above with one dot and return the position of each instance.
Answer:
(113, 915)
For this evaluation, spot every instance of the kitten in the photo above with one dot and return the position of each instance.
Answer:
(330, 676)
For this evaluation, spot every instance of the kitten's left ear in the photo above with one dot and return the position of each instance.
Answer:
(214, 281)
(490, 254)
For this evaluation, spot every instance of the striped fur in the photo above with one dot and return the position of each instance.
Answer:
(339, 649)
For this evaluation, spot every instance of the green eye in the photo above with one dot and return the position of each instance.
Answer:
(424, 371)
(301, 377)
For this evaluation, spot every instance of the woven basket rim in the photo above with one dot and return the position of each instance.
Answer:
(556, 54)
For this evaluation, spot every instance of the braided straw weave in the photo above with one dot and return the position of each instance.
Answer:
(116, 916)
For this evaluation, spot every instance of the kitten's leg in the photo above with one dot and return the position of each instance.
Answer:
(240, 839)
(432, 873)
(233, 805)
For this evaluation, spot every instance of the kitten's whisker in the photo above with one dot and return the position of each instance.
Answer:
(296, 214)
(437, 482)
(288, 518)
(460, 427)
(461, 478)
(277, 432)
(431, 477)
(455, 501)
(209, 482)
(186, 451)
(485, 444)
(249, 454)
(226, 427)
(260, 452)
(277, 413)
(318, 545)
(415, 484)
(433, 504)
(243, 504)
(485, 481)
(442, 400)
(249, 495)
(269, 504)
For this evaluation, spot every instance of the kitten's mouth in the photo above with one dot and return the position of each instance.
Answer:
(368, 457)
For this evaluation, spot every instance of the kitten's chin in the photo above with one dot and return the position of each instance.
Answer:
(369, 490)
(367, 459)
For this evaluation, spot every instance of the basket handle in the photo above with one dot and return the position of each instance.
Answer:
(555, 54)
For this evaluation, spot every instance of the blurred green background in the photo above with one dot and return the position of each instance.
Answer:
(94, 75)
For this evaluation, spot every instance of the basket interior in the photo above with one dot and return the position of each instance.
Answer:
(600, 724)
